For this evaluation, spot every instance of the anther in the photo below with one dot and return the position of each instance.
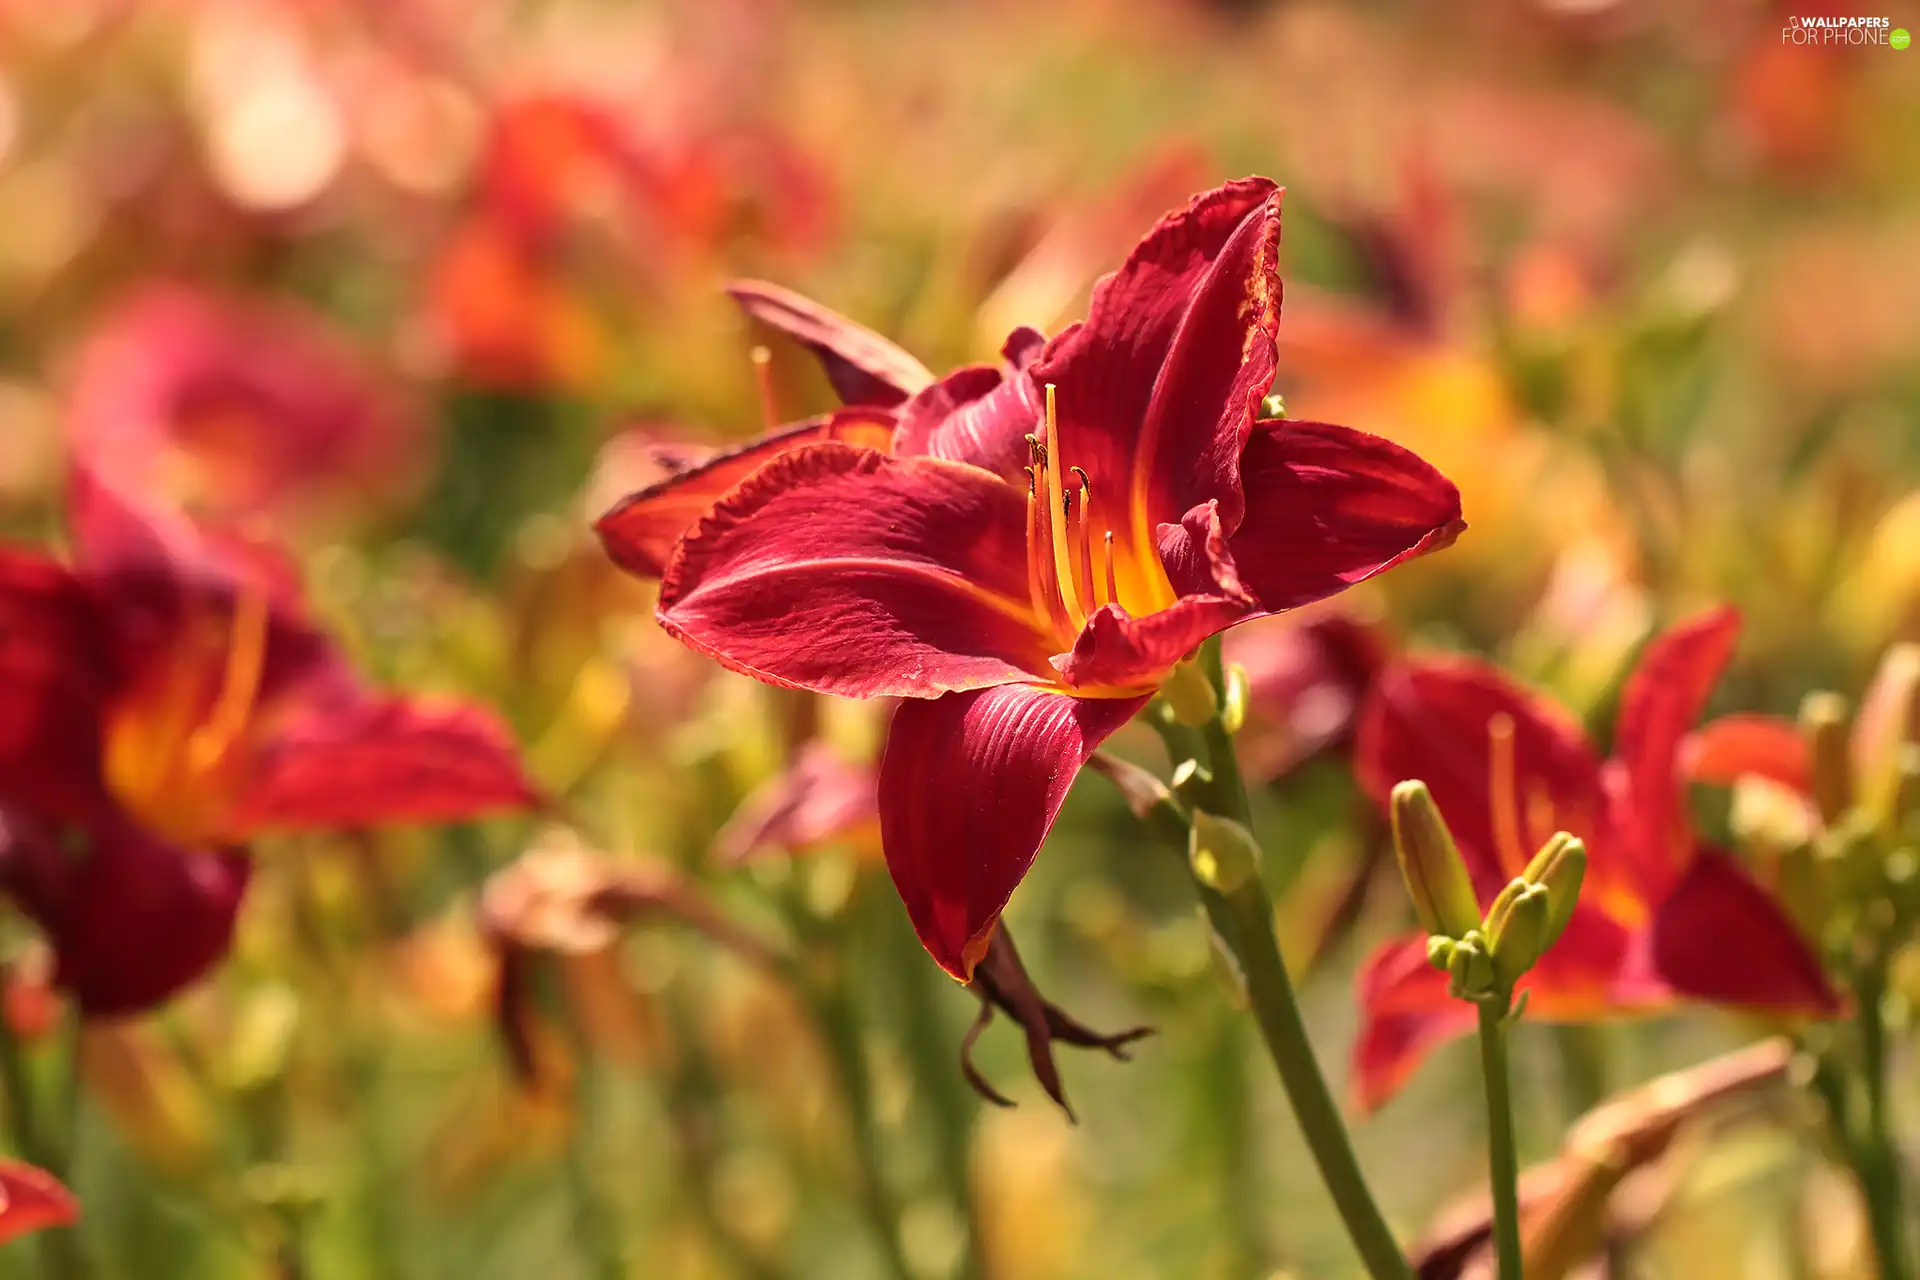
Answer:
(1106, 555)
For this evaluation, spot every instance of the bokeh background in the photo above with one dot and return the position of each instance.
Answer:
(424, 285)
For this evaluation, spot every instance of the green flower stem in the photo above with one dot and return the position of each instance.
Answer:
(1876, 1161)
(1243, 918)
(60, 1248)
(1502, 1162)
(839, 1026)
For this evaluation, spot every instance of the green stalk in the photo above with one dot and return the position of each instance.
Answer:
(839, 1026)
(1242, 916)
(1503, 1164)
(60, 1248)
(1875, 1159)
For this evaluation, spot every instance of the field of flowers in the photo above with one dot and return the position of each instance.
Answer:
(573, 573)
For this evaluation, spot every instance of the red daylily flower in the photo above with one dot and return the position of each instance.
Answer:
(235, 405)
(163, 699)
(1662, 918)
(1025, 617)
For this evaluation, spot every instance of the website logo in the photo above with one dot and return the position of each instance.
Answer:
(1829, 31)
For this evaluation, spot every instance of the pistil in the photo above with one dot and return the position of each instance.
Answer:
(1504, 795)
(1063, 570)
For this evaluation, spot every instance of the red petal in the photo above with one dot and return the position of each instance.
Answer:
(1328, 507)
(1159, 388)
(56, 675)
(1196, 555)
(864, 367)
(976, 414)
(1431, 720)
(1405, 1014)
(31, 1200)
(1719, 937)
(819, 799)
(1117, 651)
(969, 787)
(1662, 700)
(382, 761)
(141, 919)
(641, 530)
(845, 571)
(1723, 751)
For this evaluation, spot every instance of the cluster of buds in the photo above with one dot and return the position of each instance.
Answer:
(1483, 956)
(1846, 855)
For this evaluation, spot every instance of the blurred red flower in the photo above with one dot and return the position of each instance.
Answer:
(238, 404)
(1024, 618)
(163, 699)
(1662, 918)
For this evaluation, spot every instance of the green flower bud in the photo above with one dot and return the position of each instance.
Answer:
(1233, 708)
(1888, 715)
(1803, 890)
(1190, 695)
(1824, 726)
(1517, 935)
(1439, 952)
(1224, 855)
(1906, 790)
(1430, 863)
(1274, 406)
(1469, 970)
(1559, 868)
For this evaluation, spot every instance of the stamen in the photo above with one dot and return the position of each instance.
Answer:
(1036, 450)
(1503, 797)
(239, 685)
(1036, 559)
(763, 378)
(1083, 544)
(1106, 557)
(1062, 560)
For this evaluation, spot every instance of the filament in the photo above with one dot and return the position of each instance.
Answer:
(1036, 563)
(763, 378)
(239, 683)
(1106, 558)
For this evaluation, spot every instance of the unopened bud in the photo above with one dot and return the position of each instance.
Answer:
(1825, 728)
(1906, 790)
(1888, 715)
(1440, 952)
(1802, 887)
(1233, 707)
(1430, 862)
(1560, 868)
(1469, 970)
(1190, 695)
(1274, 406)
(1138, 787)
(1224, 855)
(1517, 931)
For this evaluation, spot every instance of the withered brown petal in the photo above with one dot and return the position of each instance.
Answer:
(1001, 981)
